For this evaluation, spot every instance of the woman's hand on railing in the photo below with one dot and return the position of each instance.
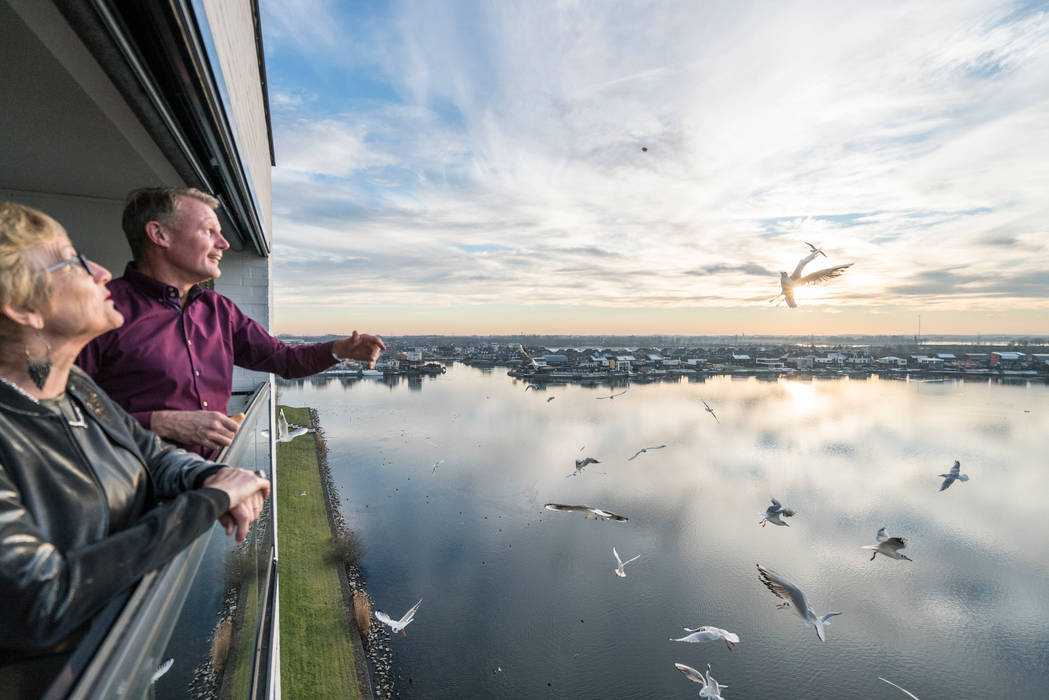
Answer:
(247, 493)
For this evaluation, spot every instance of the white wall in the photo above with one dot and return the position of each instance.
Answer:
(246, 280)
(233, 32)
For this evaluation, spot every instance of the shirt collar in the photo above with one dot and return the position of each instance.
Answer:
(155, 288)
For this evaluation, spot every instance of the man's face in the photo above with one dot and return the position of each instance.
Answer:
(196, 241)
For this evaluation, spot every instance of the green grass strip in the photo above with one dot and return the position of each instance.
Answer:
(316, 657)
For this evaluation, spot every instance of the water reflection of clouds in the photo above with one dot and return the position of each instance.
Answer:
(866, 456)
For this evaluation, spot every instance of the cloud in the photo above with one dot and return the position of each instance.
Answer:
(493, 151)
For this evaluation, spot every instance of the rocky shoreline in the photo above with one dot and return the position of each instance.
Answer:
(377, 678)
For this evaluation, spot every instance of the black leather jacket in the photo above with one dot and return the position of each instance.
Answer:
(60, 559)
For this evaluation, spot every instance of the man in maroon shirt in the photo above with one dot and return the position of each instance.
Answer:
(171, 364)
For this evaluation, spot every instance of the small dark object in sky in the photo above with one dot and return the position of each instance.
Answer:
(644, 149)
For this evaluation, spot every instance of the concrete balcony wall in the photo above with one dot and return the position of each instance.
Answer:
(233, 31)
(246, 280)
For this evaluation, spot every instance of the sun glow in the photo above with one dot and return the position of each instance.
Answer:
(804, 397)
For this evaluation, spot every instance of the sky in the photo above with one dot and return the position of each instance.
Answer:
(650, 167)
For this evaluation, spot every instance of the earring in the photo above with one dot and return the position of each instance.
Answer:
(39, 367)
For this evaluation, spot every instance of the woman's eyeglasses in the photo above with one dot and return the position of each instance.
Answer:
(78, 258)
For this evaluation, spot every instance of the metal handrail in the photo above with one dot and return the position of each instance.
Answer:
(125, 661)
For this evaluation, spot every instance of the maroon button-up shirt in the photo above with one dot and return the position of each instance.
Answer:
(169, 357)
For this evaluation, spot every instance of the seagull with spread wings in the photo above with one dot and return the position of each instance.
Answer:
(612, 396)
(581, 463)
(815, 249)
(706, 633)
(591, 512)
(528, 358)
(398, 625)
(619, 569)
(954, 475)
(643, 450)
(287, 433)
(794, 596)
(887, 546)
(789, 282)
(775, 513)
(708, 409)
(710, 688)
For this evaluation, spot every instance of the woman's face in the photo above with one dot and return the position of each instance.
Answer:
(81, 307)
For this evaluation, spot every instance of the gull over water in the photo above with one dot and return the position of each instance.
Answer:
(591, 512)
(788, 283)
(793, 596)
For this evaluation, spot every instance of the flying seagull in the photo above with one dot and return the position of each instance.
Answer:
(435, 465)
(814, 249)
(792, 595)
(710, 687)
(955, 474)
(528, 358)
(887, 546)
(161, 670)
(398, 625)
(774, 514)
(644, 450)
(707, 633)
(902, 690)
(591, 512)
(613, 395)
(787, 282)
(580, 463)
(619, 569)
(287, 433)
(551, 398)
(708, 409)
(532, 386)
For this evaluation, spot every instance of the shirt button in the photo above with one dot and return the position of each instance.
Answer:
(204, 404)
(196, 372)
(188, 341)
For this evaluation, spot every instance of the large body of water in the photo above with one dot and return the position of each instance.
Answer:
(521, 602)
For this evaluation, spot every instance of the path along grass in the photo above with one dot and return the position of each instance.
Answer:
(316, 656)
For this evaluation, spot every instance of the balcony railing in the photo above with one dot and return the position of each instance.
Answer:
(208, 616)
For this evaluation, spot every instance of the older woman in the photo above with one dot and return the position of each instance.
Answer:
(80, 481)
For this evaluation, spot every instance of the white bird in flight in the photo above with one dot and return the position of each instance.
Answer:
(710, 688)
(619, 569)
(773, 514)
(612, 396)
(581, 463)
(708, 409)
(591, 512)
(398, 625)
(644, 450)
(287, 433)
(437, 464)
(161, 670)
(902, 690)
(788, 283)
(953, 475)
(887, 546)
(528, 358)
(793, 596)
(706, 633)
(814, 249)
